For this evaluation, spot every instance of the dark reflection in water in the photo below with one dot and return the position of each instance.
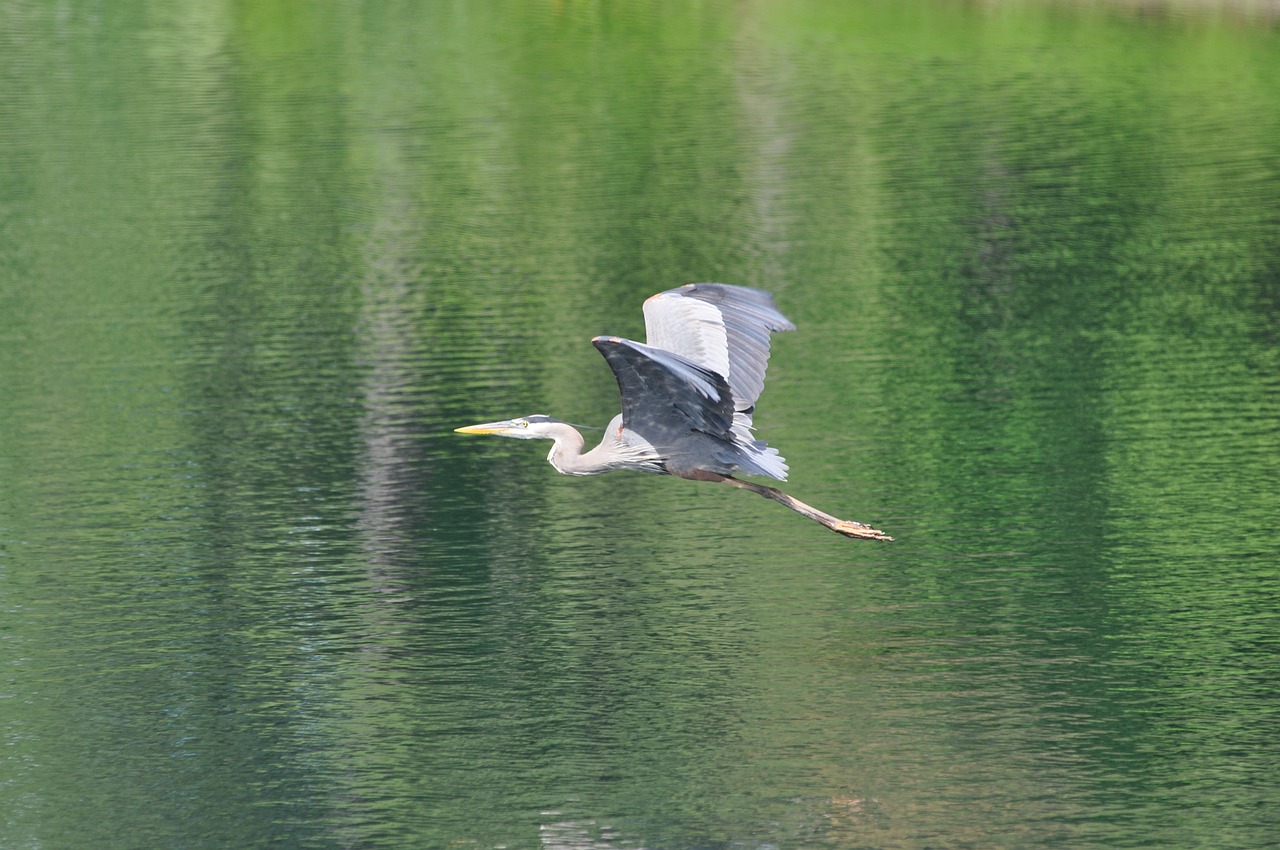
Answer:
(256, 267)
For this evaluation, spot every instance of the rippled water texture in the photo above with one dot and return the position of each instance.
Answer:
(258, 260)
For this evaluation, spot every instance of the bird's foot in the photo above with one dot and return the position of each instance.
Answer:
(849, 528)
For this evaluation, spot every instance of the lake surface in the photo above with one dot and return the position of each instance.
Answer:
(258, 260)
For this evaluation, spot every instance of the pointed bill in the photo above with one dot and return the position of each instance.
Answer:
(487, 428)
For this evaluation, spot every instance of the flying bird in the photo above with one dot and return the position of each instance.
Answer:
(688, 395)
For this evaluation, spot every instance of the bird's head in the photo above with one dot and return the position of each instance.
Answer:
(532, 427)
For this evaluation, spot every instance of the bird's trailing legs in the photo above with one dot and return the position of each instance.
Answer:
(847, 527)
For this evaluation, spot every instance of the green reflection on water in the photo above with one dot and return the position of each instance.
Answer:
(258, 261)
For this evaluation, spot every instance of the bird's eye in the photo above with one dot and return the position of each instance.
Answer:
(522, 423)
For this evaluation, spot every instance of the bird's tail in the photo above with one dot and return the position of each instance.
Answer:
(760, 459)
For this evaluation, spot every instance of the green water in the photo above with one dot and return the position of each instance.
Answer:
(258, 260)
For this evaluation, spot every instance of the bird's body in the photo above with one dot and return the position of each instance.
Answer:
(688, 396)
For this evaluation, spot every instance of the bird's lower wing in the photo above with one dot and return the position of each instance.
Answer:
(665, 395)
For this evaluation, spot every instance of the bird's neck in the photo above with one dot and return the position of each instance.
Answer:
(566, 453)
(567, 456)
(614, 452)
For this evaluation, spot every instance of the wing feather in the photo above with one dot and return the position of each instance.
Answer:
(720, 327)
(677, 405)
(665, 395)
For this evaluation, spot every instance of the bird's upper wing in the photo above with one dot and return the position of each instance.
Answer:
(664, 395)
(720, 327)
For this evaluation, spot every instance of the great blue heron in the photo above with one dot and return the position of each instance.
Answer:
(687, 398)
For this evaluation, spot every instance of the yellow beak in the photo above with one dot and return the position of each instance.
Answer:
(487, 428)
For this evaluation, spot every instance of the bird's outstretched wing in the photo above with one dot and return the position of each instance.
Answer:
(723, 328)
(685, 411)
(665, 395)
